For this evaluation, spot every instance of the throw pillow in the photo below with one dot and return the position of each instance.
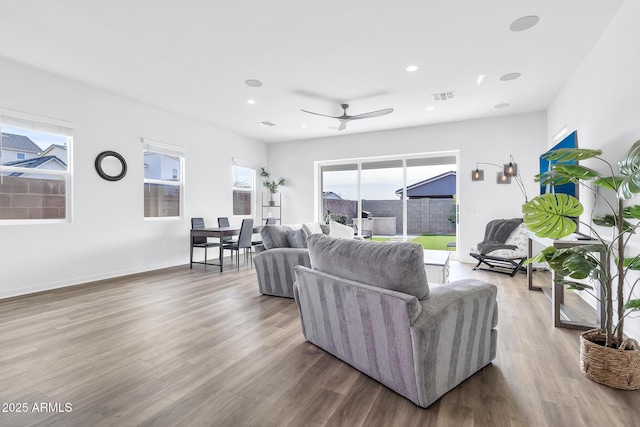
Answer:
(274, 236)
(340, 231)
(312, 228)
(297, 238)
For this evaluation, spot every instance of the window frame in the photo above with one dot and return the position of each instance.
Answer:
(51, 126)
(158, 147)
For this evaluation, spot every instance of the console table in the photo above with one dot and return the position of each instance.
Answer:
(557, 291)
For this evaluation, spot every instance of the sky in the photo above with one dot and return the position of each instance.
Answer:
(42, 139)
(378, 184)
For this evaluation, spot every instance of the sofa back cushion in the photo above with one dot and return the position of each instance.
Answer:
(275, 236)
(297, 238)
(398, 266)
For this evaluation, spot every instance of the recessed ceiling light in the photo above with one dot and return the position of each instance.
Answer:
(253, 83)
(431, 108)
(251, 101)
(510, 76)
(303, 126)
(266, 124)
(412, 68)
(524, 23)
(503, 105)
(479, 79)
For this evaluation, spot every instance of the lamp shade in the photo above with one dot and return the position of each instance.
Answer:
(477, 175)
(511, 169)
(502, 178)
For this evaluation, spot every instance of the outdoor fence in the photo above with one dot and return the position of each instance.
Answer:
(423, 215)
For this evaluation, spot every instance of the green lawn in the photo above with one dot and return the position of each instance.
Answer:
(434, 242)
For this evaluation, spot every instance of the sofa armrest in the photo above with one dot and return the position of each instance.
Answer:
(366, 326)
(454, 336)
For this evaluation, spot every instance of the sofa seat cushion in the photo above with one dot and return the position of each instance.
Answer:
(398, 266)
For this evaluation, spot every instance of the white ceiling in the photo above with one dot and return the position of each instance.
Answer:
(193, 56)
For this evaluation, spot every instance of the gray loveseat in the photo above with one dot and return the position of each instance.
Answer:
(283, 248)
(369, 304)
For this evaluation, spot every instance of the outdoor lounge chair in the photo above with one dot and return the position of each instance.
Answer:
(504, 248)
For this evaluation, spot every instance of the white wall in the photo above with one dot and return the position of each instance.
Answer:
(600, 101)
(485, 140)
(108, 236)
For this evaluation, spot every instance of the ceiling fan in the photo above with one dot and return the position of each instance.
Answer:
(345, 118)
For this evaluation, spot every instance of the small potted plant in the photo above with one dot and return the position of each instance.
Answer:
(606, 356)
(271, 184)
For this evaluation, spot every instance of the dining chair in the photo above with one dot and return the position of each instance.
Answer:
(244, 242)
(223, 221)
(200, 242)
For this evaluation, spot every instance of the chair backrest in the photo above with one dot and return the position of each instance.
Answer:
(246, 232)
(271, 220)
(195, 224)
(223, 221)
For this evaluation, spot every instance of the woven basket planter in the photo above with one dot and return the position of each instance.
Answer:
(616, 368)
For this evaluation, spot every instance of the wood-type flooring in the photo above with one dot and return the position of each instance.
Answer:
(181, 347)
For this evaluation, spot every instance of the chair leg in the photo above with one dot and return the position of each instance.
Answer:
(191, 258)
(205, 257)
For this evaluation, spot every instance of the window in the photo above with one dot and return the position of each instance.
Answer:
(243, 178)
(163, 180)
(35, 171)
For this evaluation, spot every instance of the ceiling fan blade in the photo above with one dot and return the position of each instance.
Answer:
(318, 114)
(343, 125)
(371, 114)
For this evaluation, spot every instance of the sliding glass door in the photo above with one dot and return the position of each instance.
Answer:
(382, 186)
(340, 193)
(403, 197)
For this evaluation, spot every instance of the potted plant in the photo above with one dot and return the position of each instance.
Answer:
(605, 355)
(271, 184)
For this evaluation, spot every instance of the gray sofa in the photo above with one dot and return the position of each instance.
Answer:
(276, 258)
(370, 305)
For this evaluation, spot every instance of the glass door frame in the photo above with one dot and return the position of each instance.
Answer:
(317, 182)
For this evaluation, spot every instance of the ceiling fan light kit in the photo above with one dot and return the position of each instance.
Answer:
(345, 118)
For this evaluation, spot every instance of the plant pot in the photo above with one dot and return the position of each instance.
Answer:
(272, 202)
(617, 368)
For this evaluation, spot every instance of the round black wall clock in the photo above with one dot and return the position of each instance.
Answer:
(111, 166)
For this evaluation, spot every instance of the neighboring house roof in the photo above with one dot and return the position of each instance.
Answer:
(19, 143)
(34, 163)
(330, 195)
(53, 146)
(443, 185)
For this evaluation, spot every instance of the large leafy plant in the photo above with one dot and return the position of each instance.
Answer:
(555, 215)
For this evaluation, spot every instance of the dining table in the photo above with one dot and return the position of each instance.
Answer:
(219, 233)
